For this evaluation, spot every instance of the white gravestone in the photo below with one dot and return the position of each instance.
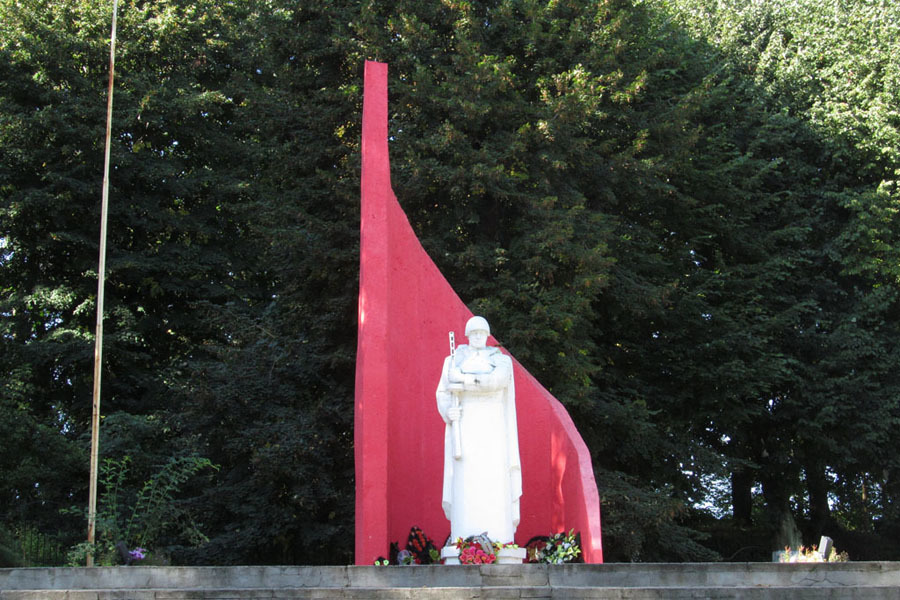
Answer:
(476, 397)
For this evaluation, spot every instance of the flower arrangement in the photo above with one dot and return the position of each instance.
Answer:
(480, 550)
(810, 555)
(476, 550)
(555, 549)
(419, 550)
(498, 546)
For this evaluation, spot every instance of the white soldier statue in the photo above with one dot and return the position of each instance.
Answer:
(476, 397)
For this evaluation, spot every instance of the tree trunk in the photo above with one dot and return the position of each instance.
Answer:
(891, 495)
(778, 506)
(741, 496)
(817, 486)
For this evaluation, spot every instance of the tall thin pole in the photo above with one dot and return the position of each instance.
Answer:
(101, 282)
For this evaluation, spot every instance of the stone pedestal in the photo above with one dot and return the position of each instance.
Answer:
(450, 555)
(510, 556)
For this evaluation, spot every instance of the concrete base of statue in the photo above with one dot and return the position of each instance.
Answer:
(450, 555)
(510, 556)
(505, 556)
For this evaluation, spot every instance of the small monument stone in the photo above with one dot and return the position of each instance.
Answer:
(826, 546)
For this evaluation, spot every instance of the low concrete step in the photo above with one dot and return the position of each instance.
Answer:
(452, 593)
(751, 581)
(739, 593)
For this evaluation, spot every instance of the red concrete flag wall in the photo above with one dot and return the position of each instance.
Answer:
(406, 309)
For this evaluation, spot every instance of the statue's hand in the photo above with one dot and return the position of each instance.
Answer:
(454, 413)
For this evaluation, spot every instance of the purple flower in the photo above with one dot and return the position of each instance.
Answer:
(137, 554)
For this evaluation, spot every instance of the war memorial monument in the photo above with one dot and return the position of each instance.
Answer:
(458, 441)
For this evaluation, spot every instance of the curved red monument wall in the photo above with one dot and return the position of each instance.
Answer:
(406, 308)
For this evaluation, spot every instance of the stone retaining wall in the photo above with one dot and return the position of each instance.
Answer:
(761, 581)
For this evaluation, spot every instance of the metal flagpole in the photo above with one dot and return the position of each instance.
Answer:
(101, 281)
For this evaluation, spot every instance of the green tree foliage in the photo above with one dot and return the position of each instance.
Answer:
(678, 214)
(141, 521)
(819, 435)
